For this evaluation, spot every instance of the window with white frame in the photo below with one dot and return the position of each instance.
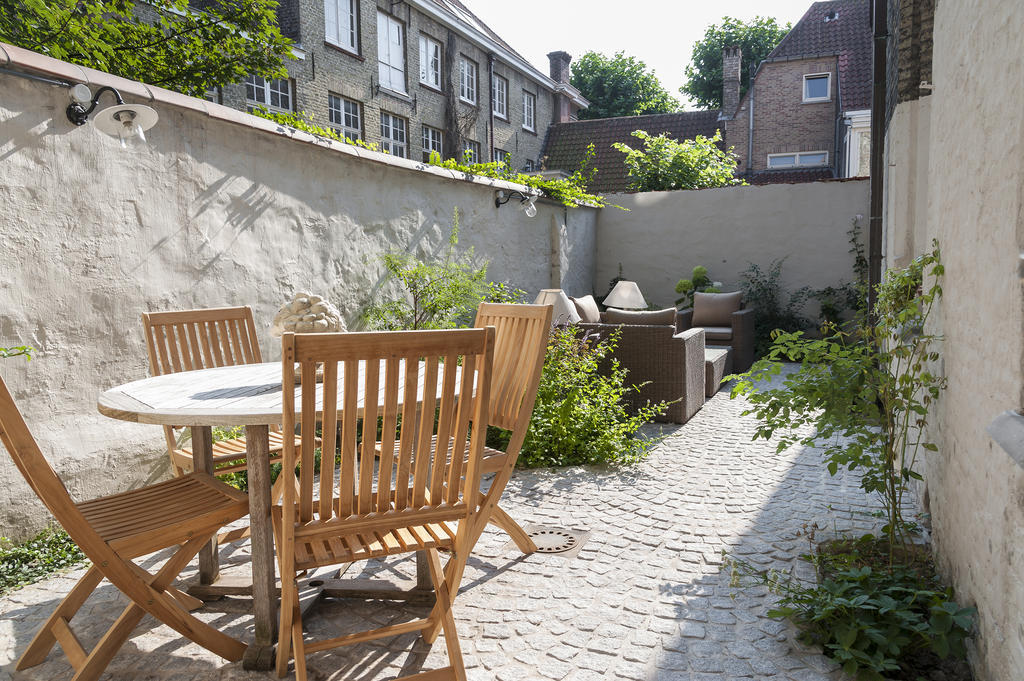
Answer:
(467, 80)
(430, 62)
(817, 87)
(529, 166)
(499, 97)
(393, 134)
(432, 141)
(345, 116)
(529, 111)
(803, 159)
(341, 24)
(390, 52)
(275, 95)
(502, 156)
(470, 151)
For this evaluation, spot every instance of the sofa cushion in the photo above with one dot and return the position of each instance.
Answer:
(666, 317)
(714, 309)
(717, 332)
(586, 307)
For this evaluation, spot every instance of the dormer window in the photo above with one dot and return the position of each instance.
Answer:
(817, 87)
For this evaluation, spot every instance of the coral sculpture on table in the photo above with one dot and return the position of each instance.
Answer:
(306, 313)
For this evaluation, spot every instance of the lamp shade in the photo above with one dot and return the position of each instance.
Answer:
(564, 312)
(626, 295)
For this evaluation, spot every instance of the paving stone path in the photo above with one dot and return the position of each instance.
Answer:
(646, 599)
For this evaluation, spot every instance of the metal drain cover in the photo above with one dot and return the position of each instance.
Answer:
(553, 541)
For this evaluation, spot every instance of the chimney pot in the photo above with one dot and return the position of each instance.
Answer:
(732, 57)
(560, 66)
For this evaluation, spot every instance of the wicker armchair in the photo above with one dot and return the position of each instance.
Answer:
(671, 364)
(739, 335)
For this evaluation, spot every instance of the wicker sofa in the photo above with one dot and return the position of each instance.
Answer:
(670, 363)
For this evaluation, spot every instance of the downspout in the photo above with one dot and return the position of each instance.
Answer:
(839, 153)
(750, 125)
(490, 98)
(878, 94)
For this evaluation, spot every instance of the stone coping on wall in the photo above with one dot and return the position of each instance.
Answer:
(18, 58)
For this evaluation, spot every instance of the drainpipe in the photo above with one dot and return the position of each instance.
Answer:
(881, 35)
(490, 98)
(750, 125)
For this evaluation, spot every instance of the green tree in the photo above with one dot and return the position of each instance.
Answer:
(665, 164)
(162, 42)
(619, 86)
(704, 72)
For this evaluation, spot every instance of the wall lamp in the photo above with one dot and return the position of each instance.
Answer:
(526, 201)
(126, 122)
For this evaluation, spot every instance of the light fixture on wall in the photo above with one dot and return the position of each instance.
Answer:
(526, 201)
(626, 295)
(126, 122)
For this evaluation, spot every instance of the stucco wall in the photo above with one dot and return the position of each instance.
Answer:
(956, 173)
(209, 213)
(664, 235)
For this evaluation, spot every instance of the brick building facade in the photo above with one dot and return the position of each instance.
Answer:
(413, 77)
(807, 113)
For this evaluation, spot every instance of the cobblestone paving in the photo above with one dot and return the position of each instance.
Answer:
(646, 599)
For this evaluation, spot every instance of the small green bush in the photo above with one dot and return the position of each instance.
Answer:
(699, 281)
(45, 554)
(580, 417)
(665, 164)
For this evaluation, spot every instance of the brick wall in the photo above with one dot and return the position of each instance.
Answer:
(328, 69)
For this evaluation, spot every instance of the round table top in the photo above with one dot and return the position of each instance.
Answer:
(242, 395)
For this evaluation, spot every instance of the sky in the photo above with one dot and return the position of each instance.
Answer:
(659, 33)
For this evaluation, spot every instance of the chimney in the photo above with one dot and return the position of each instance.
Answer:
(560, 66)
(731, 58)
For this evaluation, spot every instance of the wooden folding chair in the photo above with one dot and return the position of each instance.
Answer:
(188, 340)
(186, 511)
(405, 503)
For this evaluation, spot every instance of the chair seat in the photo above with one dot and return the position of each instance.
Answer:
(717, 332)
(227, 451)
(144, 520)
(312, 551)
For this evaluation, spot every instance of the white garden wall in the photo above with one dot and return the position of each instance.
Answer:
(218, 209)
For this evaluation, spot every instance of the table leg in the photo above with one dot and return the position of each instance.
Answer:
(264, 596)
(202, 460)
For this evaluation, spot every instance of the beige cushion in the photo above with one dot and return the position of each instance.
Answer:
(666, 317)
(717, 332)
(714, 309)
(586, 308)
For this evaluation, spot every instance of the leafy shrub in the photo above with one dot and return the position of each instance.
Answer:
(48, 552)
(763, 291)
(698, 281)
(579, 417)
(873, 621)
(504, 292)
(664, 164)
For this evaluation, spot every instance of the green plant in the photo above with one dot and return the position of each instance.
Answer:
(763, 291)
(664, 164)
(17, 351)
(185, 46)
(619, 86)
(504, 292)
(837, 301)
(698, 281)
(756, 38)
(872, 621)
(48, 552)
(438, 293)
(865, 393)
(301, 120)
(580, 417)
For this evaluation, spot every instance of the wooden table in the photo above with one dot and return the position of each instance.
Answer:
(247, 395)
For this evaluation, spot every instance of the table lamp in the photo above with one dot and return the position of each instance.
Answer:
(626, 296)
(564, 312)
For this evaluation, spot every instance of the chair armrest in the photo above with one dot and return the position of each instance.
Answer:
(743, 339)
(684, 319)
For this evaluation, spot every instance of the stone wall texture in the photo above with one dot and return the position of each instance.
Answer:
(954, 173)
(210, 213)
(664, 235)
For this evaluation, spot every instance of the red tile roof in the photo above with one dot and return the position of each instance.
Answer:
(566, 143)
(846, 34)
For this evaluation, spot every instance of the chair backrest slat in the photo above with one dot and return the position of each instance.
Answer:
(520, 346)
(442, 380)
